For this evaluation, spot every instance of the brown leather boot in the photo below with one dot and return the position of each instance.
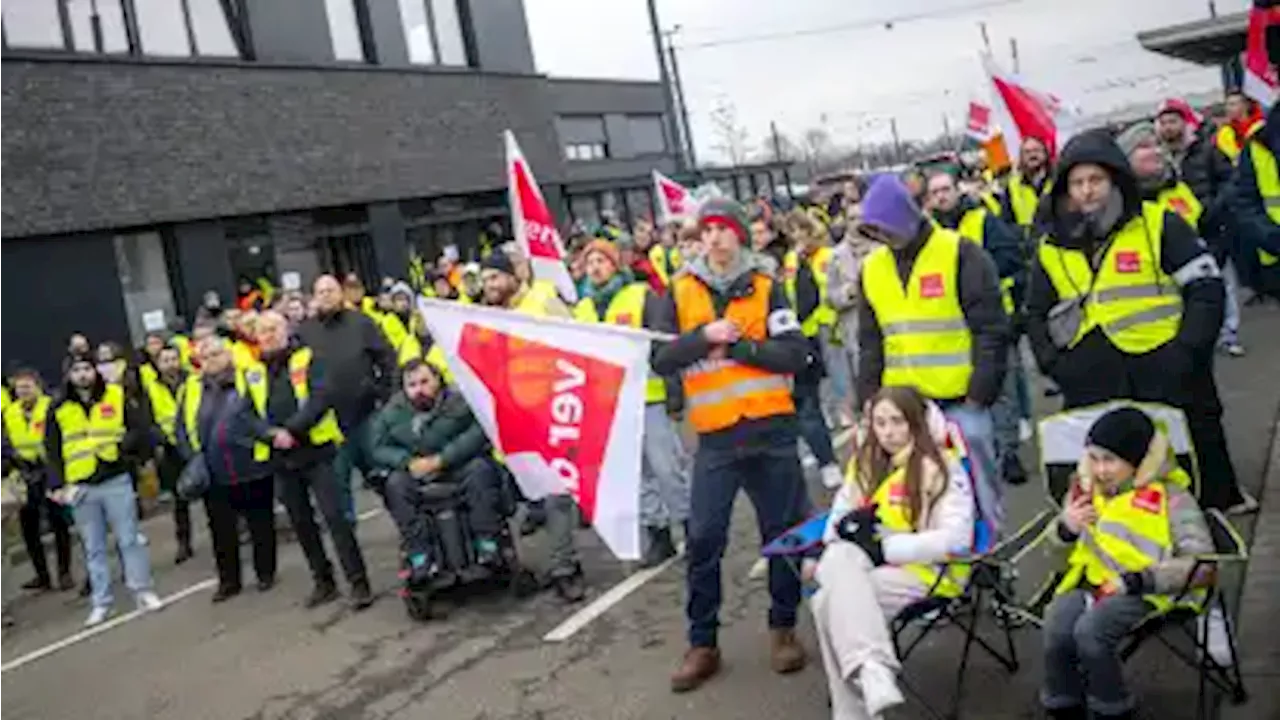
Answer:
(698, 666)
(786, 654)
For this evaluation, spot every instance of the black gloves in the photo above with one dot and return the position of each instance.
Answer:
(1134, 583)
(859, 528)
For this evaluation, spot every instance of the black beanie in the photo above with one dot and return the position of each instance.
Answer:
(498, 260)
(1126, 432)
(72, 359)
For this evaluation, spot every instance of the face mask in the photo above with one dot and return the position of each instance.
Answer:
(109, 372)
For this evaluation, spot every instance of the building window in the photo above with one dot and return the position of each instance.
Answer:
(583, 137)
(163, 28)
(344, 30)
(210, 29)
(433, 32)
(98, 26)
(586, 151)
(33, 24)
(647, 137)
(584, 210)
(144, 280)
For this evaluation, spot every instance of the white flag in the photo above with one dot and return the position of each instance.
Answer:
(675, 202)
(533, 224)
(562, 401)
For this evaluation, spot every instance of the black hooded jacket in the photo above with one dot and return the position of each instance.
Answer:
(1095, 370)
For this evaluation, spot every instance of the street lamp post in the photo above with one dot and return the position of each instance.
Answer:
(665, 78)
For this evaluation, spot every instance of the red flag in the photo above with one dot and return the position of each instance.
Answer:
(533, 224)
(675, 202)
(1260, 81)
(979, 122)
(1023, 111)
(562, 401)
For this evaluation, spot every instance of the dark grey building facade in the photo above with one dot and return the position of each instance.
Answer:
(155, 151)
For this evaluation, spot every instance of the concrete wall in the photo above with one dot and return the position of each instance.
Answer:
(95, 144)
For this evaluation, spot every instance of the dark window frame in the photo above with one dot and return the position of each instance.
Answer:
(234, 13)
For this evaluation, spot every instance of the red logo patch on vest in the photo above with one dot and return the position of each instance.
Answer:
(1180, 206)
(1128, 261)
(931, 285)
(622, 319)
(108, 412)
(298, 376)
(898, 494)
(37, 426)
(1147, 499)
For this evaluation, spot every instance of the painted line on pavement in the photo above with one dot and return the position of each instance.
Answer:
(601, 605)
(119, 620)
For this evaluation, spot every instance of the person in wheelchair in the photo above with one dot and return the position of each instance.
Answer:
(1133, 528)
(904, 507)
(427, 434)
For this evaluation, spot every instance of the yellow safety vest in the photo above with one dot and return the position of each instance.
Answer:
(1131, 534)
(1182, 202)
(88, 438)
(147, 374)
(927, 343)
(400, 339)
(1230, 144)
(242, 354)
(666, 261)
(973, 226)
(326, 430)
(1268, 179)
(435, 358)
(164, 408)
(819, 262)
(1136, 304)
(894, 516)
(626, 308)
(26, 434)
(183, 343)
(1024, 199)
(534, 300)
(251, 380)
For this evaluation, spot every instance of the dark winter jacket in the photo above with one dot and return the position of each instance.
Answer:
(228, 428)
(359, 364)
(978, 285)
(808, 298)
(1095, 370)
(135, 446)
(1208, 172)
(1002, 241)
(1256, 230)
(284, 411)
(401, 432)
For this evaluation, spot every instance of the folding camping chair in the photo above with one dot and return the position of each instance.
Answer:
(1062, 443)
(984, 587)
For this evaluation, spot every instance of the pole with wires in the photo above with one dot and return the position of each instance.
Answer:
(664, 77)
(686, 147)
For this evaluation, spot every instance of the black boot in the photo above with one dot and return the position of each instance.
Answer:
(1012, 470)
(572, 587)
(39, 584)
(361, 595)
(660, 547)
(1069, 713)
(325, 591)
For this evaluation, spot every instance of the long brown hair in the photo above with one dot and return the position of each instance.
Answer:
(875, 463)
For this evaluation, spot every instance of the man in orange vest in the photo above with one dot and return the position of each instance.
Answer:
(738, 346)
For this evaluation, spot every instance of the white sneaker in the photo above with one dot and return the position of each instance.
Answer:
(149, 601)
(831, 477)
(1024, 430)
(879, 688)
(96, 616)
(759, 570)
(1214, 623)
(808, 462)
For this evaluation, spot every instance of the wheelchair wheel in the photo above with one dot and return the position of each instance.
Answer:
(417, 605)
(523, 583)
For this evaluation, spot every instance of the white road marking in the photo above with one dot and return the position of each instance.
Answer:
(601, 605)
(96, 630)
(119, 620)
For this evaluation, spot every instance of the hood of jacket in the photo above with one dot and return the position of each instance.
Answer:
(749, 262)
(1158, 462)
(1096, 147)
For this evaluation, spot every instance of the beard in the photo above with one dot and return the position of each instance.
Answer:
(422, 403)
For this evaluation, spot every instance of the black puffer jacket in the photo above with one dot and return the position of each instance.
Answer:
(1095, 370)
(1205, 170)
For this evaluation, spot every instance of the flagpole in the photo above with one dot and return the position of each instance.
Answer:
(505, 314)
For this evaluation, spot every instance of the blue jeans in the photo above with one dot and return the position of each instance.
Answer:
(813, 427)
(979, 433)
(113, 503)
(1005, 413)
(354, 453)
(772, 479)
(1080, 652)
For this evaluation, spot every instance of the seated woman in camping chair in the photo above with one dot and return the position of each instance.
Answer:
(1133, 527)
(905, 507)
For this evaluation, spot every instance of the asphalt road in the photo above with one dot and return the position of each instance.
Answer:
(262, 656)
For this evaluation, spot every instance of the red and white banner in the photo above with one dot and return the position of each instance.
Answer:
(1260, 81)
(562, 401)
(979, 126)
(533, 224)
(1021, 111)
(675, 201)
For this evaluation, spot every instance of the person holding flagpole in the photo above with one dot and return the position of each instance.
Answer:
(739, 344)
(502, 288)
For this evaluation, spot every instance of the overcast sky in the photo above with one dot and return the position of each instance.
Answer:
(834, 63)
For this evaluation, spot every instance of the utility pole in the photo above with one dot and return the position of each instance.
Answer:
(664, 78)
(946, 128)
(686, 147)
(986, 41)
(1013, 50)
(897, 142)
(777, 142)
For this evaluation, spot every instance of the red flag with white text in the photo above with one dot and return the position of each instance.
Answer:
(1259, 79)
(1020, 111)
(675, 201)
(979, 125)
(562, 401)
(533, 224)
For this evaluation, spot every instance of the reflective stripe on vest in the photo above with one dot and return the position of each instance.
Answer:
(88, 438)
(251, 380)
(1182, 201)
(1131, 534)
(819, 263)
(721, 393)
(894, 514)
(626, 308)
(927, 344)
(325, 430)
(1267, 177)
(164, 409)
(27, 435)
(1136, 304)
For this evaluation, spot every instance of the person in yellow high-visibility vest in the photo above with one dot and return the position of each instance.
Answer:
(1124, 301)
(89, 440)
(974, 221)
(502, 288)
(1135, 535)
(305, 443)
(402, 325)
(1256, 203)
(164, 393)
(25, 420)
(1242, 121)
(1030, 182)
(664, 473)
